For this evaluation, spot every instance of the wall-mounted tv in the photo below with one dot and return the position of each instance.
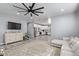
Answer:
(13, 25)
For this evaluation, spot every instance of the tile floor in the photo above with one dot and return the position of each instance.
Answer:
(39, 46)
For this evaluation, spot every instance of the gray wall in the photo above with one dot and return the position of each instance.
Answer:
(64, 26)
(30, 29)
(3, 26)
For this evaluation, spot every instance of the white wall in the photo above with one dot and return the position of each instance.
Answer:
(64, 25)
(4, 22)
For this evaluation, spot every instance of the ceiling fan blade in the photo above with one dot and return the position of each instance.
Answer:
(39, 8)
(25, 6)
(22, 11)
(32, 6)
(35, 14)
(38, 12)
(26, 13)
(19, 7)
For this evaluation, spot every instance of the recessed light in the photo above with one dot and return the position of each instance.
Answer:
(18, 13)
(62, 9)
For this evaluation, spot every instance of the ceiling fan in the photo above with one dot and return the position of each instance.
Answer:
(30, 9)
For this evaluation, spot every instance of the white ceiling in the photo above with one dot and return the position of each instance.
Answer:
(51, 9)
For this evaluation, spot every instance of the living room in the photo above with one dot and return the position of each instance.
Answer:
(56, 28)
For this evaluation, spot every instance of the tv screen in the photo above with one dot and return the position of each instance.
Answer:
(12, 25)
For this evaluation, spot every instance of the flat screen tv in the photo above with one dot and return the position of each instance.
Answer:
(13, 25)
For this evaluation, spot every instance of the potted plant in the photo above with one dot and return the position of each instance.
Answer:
(26, 36)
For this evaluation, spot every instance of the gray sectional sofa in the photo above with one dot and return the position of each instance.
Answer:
(69, 46)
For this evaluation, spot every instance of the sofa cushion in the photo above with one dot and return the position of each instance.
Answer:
(56, 41)
(71, 41)
(77, 52)
(66, 53)
(76, 48)
(66, 47)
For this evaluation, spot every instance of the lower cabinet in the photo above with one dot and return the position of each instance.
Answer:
(13, 37)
